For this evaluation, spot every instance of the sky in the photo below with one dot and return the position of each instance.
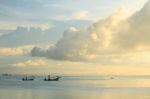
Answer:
(75, 37)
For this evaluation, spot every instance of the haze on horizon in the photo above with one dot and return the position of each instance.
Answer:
(75, 38)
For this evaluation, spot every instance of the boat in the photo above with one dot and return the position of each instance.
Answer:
(111, 77)
(28, 78)
(56, 78)
(6, 74)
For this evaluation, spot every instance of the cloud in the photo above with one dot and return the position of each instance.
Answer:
(21, 36)
(13, 25)
(105, 39)
(36, 62)
(15, 51)
(76, 15)
(80, 15)
(84, 44)
(137, 33)
(26, 35)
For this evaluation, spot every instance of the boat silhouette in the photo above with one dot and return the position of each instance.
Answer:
(28, 78)
(56, 78)
(111, 77)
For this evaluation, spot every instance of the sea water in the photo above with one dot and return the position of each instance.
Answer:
(76, 87)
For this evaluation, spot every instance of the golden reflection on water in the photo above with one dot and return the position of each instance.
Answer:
(127, 83)
(103, 94)
(116, 83)
(117, 88)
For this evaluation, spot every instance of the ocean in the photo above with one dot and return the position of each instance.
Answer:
(76, 87)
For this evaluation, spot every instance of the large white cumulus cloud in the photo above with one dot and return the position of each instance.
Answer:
(111, 36)
(138, 32)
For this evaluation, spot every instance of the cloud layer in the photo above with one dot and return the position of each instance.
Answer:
(36, 62)
(22, 50)
(111, 37)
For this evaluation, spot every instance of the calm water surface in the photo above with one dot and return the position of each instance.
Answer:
(79, 87)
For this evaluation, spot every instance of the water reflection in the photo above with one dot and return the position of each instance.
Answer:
(77, 88)
(103, 94)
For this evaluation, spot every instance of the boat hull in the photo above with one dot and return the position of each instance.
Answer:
(52, 79)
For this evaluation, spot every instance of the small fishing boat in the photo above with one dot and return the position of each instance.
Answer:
(28, 78)
(6, 74)
(56, 78)
(111, 77)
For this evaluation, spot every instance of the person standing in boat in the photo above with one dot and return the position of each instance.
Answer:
(49, 77)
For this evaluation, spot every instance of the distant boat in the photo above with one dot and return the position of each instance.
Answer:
(111, 77)
(28, 78)
(6, 74)
(52, 78)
